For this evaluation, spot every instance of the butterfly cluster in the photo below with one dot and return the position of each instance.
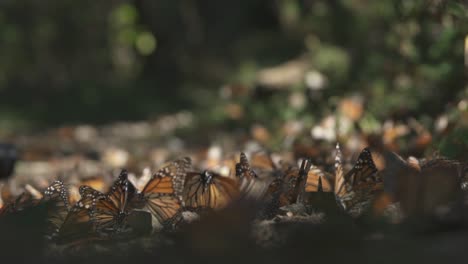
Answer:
(176, 188)
(99, 215)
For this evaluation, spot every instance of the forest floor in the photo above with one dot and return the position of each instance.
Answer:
(320, 231)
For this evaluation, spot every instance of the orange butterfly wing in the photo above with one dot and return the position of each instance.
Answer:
(56, 199)
(162, 194)
(209, 190)
(78, 224)
(24, 200)
(360, 183)
(111, 210)
(252, 187)
(313, 177)
(161, 199)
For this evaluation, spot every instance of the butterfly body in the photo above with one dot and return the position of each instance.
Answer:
(207, 179)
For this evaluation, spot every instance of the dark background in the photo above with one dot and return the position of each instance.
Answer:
(66, 62)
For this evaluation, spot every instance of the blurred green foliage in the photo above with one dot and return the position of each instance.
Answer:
(64, 61)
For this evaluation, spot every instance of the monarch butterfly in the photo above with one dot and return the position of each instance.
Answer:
(96, 183)
(24, 200)
(359, 185)
(209, 190)
(442, 162)
(286, 189)
(263, 165)
(313, 186)
(56, 199)
(252, 186)
(112, 209)
(316, 179)
(435, 184)
(266, 189)
(321, 198)
(78, 224)
(364, 170)
(294, 183)
(162, 194)
(339, 188)
(441, 187)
